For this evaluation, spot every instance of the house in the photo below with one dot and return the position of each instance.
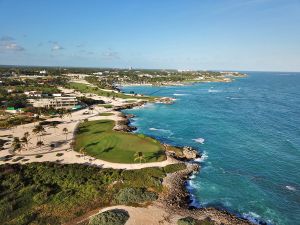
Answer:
(62, 102)
(97, 73)
(43, 72)
(33, 93)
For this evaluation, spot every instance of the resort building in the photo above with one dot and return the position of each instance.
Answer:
(55, 102)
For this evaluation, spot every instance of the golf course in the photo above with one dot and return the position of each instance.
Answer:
(99, 140)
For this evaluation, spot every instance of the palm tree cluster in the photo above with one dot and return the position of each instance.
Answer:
(139, 156)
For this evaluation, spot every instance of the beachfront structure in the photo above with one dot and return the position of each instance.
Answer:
(65, 102)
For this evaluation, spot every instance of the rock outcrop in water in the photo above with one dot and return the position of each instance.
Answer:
(189, 153)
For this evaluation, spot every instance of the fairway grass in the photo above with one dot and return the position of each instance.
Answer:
(83, 88)
(100, 141)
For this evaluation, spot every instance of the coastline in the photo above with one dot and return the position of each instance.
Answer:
(177, 199)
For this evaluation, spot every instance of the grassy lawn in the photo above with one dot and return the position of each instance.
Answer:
(95, 90)
(105, 114)
(100, 141)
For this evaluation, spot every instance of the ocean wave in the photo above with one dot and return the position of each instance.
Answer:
(252, 217)
(199, 140)
(203, 157)
(214, 91)
(176, 94)
(234, 98)
(290, 188)
(160, 130)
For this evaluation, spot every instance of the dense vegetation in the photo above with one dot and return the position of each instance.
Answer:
(83, 88)
(14, 120)
(192, 221)
(96, 138)
(111, 217)
(49, 193)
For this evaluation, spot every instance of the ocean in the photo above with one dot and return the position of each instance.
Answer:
(248, 132)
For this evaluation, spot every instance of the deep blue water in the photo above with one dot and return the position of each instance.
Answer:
(251, 148)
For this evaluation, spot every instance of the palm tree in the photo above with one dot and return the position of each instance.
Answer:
(66, 131)
(82, 151)
(62, 113)
(54, 125)
(40, 144)
(139, 156)
(72, 145)
(69, 114)
(16, 144)
(25, 139)
(39, 130)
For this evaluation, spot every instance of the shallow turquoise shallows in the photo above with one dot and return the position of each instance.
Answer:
(249, 134)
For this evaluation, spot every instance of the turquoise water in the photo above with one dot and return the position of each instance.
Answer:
(249, 134)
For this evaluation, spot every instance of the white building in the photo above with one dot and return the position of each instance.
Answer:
(56, 102)
(43, 72)
(97, 73)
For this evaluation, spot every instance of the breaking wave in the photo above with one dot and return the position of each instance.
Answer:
(199, 140)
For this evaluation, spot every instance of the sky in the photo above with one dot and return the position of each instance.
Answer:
(261, 35)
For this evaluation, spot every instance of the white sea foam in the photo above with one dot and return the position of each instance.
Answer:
(147, 105)
(203, 157)
(252, 217)
(290, 188)
(213, 91)
(176, 94)
(199, 140)
(160, 130)
(233, 98)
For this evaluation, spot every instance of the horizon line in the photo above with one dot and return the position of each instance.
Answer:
(137, 68)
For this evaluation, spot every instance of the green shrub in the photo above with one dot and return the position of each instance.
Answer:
(111, 217)
(38, 156)
(134, 195)
(192, 221)
(187, 221)
(58, 193)
(18, 159)
(6, 158)
(107, 106)
(174, 167)
(105, 114)
(59, 154)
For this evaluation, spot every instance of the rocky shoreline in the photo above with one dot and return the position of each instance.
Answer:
(176, 199)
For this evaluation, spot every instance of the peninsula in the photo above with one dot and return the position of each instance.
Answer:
(68, 156)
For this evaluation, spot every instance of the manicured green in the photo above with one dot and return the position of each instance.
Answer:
(100, 141)
(106, 114)
(107, 106)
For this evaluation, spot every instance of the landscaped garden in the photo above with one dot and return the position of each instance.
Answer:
(98, 139)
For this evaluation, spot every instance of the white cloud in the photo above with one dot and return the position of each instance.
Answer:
(8, 44)
(56, 46)
(110, 54)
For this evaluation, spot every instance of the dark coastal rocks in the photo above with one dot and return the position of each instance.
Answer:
(177, 199)
(124, 125)
(129, 106)
(189, 153)
(185, 153)
(164, 100)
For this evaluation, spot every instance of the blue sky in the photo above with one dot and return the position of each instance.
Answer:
(179, 34)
